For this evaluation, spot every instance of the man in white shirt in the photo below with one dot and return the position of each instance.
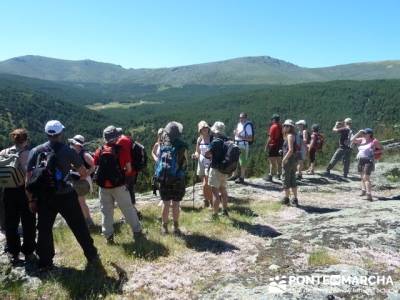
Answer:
(243, 136)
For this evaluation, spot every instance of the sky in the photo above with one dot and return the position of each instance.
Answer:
(164, 33)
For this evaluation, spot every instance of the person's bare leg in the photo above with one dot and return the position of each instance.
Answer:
(363, 187)
(224, 197)
(368, 184)
(84, 207)
(279, 165)
(208, 195)
(287, 193)
(165, 211)
(300, 165)
(294, 191)
(242, 172)
(216, 200)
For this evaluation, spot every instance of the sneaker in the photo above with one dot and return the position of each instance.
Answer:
(110, 240)
(225, 213)
(294, 202)
(369, 197)
(345, 175)
(268, 178)
(327, 172)
(239, 180)
(164, 229)
(233, 178)
(363, 193)
(285, 200)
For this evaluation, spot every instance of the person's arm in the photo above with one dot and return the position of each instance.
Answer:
(90, 161)
(313, 141)
(197, 153)
(355, 138)
(290, 150)
(154, 152)
(305, 136)
(208, 154)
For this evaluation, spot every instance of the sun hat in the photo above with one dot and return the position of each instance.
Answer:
(110, 133)
(289, 122)
(301, 122)
(218, 127)
(243, 115)
(160, 131)
(201, 125)
(53, 127)
(77, 140)
(174, 130)
(348, 120)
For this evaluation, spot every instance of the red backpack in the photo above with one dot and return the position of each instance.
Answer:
(320, 140)
(378, 151)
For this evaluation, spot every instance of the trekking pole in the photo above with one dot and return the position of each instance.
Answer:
(194, 177)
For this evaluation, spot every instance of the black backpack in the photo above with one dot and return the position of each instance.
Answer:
(231, 158)
(109, 168)
(46, 178)
(139, 156)
(253, 137)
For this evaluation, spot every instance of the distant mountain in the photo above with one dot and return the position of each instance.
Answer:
(239, 71)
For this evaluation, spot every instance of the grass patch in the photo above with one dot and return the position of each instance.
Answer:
(321, 257)
(72, 280)
(101, 106)
(393, 175)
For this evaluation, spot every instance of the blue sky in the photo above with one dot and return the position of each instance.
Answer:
(169, 33)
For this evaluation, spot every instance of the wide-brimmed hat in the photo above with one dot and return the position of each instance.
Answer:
(348, 121)
(218, 127)
(77, 140)
(110, 133)
(160, 131)
(289, 122)
(301, 122)
(174, 130)
(201, 125)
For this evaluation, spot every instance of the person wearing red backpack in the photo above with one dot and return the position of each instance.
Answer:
(369, 150)
(316, 144)
(113, 163)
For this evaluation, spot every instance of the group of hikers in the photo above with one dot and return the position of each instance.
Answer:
(54, 177)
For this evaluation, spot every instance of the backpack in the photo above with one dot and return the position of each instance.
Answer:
(253, 137)
(378, 152)
(46, 178)
(167, 166)
(231, 158)
(11, 171)
(319, 142)
(109, 168)
(139, 156)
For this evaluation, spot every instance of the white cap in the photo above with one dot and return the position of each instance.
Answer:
(53, 127)
(301, 122)
(77, 140)
(348, 121)
(288, 122)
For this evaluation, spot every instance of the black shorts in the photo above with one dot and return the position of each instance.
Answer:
(366, 166)
(273, 151)
(173, 191)
(312, 154)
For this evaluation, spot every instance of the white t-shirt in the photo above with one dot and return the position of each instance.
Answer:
(241, 133)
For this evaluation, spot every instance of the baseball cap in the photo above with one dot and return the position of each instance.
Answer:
(301, 122)
(77, 140)
(276, 117)
(110, 133)
(288, 122)
(243, 115)
(53, 127)
(368, 131)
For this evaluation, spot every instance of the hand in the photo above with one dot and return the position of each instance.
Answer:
(33, 206)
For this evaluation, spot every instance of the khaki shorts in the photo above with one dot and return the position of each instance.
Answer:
(216, 178)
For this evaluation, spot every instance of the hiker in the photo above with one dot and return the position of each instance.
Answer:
(15, 202)
(217, 179)
(77, 143)
(203, 164)
(49, 194)
(316, 144)
(344, 151)
(273, 147)
(369, 149)
(289, 164)
(156, 145)
(113, 164)
(302, 141)
(170, 173)
(244, 136)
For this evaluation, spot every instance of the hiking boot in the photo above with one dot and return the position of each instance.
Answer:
(239, 180)
(139, 215)
(363, 193)
(268, 178)
(110, 240)
(345, 175)
(164, 229)
(369, 197)
(233, 178)
(14, 258)
(206, 203)
(279, 177)
(30, 258)
(285, 201)
(294, 202)
(299, 176)
(225, 213)
(327, 172)
(44, 268)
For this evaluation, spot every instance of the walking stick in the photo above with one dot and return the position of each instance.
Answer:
(193, 178)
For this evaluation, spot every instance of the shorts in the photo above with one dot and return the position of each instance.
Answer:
(312, 155)
(289, 174)
(273, 151)
(244, 154)
(173, 191)
(216, 179)
(366, 166)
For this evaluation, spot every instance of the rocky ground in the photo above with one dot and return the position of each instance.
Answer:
(332, 232)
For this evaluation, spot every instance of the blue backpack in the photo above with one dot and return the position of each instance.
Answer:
(167, 167)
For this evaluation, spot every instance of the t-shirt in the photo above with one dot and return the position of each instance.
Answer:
(217, 150)
(275, 135)
(243, 131)
(345, 136)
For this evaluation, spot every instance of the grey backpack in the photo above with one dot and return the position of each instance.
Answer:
(12, 174)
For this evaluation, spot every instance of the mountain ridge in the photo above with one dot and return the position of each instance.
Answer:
(242, 70)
